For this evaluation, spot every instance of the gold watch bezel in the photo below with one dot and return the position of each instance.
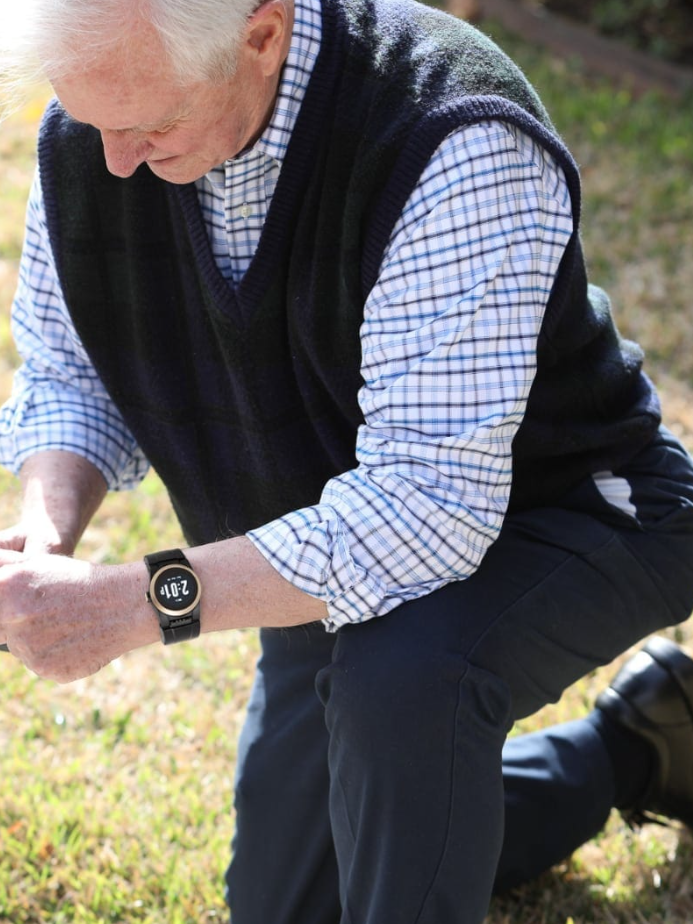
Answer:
(152, 598)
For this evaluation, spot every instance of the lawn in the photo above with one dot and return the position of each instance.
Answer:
(116, 805)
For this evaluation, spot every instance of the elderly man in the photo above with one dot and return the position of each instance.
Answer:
(319, 264)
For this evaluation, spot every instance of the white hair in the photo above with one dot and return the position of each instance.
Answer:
(54, 38)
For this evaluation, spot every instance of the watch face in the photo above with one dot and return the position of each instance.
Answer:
(175, 590)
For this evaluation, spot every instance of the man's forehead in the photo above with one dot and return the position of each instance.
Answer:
(126, 86)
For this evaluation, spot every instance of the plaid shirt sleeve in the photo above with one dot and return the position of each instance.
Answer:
(448, 358)
(448, 342)
(58, 401)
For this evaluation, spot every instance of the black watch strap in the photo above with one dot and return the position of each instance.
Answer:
(174, 592)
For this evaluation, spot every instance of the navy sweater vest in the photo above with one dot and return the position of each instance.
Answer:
(245, 400)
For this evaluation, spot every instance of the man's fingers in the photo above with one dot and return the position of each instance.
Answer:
(11, 542)
(10, 556)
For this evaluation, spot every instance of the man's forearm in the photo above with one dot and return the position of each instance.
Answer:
(66, 618)
(61, 491)
(240, 589)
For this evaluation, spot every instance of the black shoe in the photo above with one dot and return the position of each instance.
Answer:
(652, 696)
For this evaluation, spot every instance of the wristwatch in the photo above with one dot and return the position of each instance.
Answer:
(174, 592)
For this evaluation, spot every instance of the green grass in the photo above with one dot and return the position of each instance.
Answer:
(636, 160)
(116, 796)
(118, 808)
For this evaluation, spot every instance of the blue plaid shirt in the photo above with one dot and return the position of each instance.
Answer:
(448, 358)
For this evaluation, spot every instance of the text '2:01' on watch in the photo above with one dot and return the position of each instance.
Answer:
(174, 592)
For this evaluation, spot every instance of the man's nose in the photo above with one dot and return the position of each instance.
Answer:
(124, 151)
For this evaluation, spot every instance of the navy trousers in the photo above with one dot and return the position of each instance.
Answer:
(375, 784)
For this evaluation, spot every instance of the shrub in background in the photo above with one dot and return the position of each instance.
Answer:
(661, 27)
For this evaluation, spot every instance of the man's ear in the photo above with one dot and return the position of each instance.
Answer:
(268, 35)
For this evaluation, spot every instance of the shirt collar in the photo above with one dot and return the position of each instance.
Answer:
(305, 45)
(296, 73)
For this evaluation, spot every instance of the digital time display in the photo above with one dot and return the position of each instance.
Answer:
(176, 589)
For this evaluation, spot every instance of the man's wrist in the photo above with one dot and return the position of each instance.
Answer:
(123, 587)
(174, 592)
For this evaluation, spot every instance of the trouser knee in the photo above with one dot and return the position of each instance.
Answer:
(406, 677)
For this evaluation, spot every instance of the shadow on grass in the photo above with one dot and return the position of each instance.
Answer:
(657, 889)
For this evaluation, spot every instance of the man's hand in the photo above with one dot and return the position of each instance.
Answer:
(33, 539)
(65, 619)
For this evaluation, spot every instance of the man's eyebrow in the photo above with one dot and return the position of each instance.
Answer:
(165, 121)
(154, 126)
(162, 123)
(151, 126)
